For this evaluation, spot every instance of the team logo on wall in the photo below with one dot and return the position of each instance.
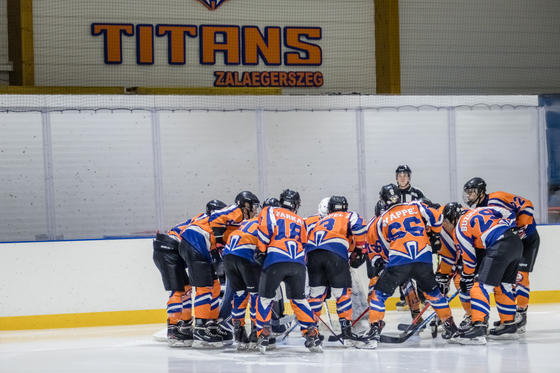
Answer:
(212, 4)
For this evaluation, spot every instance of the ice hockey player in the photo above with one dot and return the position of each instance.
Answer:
(282, 234)
(450, 268)
(199, 249)
(403, 243)
(310, 221)
(407, 291)
(175, 279)
(322, 211)
(243, 274)
(475, 196)
(490, 249)
(331, 242)
(407, 193)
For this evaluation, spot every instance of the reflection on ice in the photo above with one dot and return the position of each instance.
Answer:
(133, 348)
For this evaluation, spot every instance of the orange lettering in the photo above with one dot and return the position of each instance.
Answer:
(229, 44)
(309, 54)
(112, 39)
(176, 41)
(255, 45)
(144, 44)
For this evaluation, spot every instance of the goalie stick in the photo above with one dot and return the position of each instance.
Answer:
(384, 338)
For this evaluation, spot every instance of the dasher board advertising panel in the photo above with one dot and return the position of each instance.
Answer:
(302, 47)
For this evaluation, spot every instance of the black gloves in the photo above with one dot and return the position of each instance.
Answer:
(259, 257)
(443, 283)
(466, 283)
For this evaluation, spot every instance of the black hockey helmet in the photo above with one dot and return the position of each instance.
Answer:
(290, 199)
(338, 203)
(380, 207)
(271, 201)
(452, 212)
(477, 185)
(247, 198)
(214, 205)
(403, 168)
(430, 204)
(389, 194)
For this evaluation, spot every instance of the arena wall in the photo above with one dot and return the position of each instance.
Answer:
(5, 64)
(83, 167)
(108, 282)
(446, 47)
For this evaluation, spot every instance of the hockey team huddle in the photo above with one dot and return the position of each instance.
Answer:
(491, 245)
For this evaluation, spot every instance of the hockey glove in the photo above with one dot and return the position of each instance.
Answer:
(358, 257)
(259, 257)
(443, 283)
(435, 242)
(466, 283)
(521, 232)
(377, 265)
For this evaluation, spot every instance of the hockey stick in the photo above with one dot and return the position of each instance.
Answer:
(360, 317)
(330, 330)
(283, 336)
(406, 327)
(406, 335)
(328, 314)
(333, 338)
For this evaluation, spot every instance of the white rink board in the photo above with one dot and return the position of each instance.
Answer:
(119, 275)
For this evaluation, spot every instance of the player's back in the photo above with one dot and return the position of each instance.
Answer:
(284, 232)
(520, 207)
(403, 229)
(228, 216)
(337, 232)
(243, 241)
(311, 221)
(479, 229)
(180, 228)
(482, 227)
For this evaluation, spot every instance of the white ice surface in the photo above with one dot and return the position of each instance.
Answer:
(133, 349)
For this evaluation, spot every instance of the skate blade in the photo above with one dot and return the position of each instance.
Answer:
(316, 349)
(349, 343)
(228, 342)
(504, 337)
(262, 349)
(521, 330)
(178, 343)
(371, 345)
(469, 341)
(203, 344)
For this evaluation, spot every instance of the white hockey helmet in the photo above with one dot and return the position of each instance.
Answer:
(323, 208)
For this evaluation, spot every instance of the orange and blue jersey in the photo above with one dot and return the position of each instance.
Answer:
(243, 241)
(480, 228)
(337, 232)
(199, 233)
(227, 217)
(176, 231)
(282, 234)
(521, 208)
(402, 231)
(374, 245)
(310, 222)
(449, 252)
